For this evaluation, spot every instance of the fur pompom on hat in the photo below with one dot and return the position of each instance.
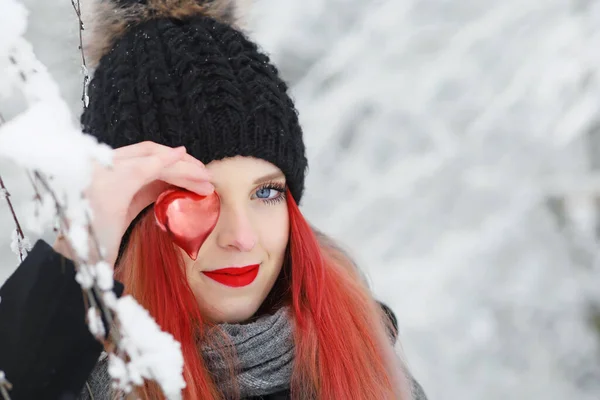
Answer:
(182, 72)
(106, 21)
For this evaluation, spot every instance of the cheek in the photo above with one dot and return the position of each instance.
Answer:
(272, 228)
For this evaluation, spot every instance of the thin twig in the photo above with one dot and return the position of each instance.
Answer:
(14, 215)
(85, 99)
(86, 78)
(7, 196)
(12, 210)
(38, 196)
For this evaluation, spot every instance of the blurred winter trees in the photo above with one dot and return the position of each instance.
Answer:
(454, 151)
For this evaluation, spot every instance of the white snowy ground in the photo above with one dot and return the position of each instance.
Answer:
(437, 132)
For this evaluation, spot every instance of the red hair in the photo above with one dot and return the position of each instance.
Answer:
(342, 350)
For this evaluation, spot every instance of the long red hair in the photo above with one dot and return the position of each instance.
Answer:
(342, 349)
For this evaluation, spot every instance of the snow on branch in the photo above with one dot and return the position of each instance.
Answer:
(5, 386)
(60, 159)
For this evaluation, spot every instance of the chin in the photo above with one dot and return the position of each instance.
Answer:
(232, 313)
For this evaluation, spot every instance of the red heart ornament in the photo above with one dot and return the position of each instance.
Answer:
(187, 217)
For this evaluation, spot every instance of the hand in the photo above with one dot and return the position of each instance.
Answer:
(140, 172)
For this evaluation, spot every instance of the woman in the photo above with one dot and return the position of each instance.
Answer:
(296, 320)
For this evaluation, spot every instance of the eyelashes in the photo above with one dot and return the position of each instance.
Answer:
(276, 186)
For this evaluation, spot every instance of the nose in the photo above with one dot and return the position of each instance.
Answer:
(235, 230)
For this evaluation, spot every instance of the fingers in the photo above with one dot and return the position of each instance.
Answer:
(188, 176)
(147, 148)
(153, 164)
(118, 194)
(141, 149)
(168, 166)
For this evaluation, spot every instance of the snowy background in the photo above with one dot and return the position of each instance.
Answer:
(454, 150)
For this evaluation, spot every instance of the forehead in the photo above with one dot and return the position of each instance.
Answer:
(241, 170)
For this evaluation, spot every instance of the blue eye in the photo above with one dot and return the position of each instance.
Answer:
(270, 193)
(266, 193)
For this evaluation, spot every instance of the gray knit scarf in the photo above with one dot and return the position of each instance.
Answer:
(265, 354)
(264, 350)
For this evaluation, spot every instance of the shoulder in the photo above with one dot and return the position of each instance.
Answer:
(393, 321)
(417, 391)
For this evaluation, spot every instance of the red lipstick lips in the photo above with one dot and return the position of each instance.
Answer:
(234, 277)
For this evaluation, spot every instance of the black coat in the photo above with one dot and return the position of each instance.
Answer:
(46, 349)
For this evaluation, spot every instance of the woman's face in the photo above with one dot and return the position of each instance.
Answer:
(251, 235)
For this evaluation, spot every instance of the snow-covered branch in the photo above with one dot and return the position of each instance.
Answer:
(60, 159)
(20, 245)
(84, 69)
(5, 386)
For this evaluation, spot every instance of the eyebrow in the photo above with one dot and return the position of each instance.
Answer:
(270, 177)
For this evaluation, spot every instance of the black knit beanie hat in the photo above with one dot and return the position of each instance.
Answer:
(181, 72)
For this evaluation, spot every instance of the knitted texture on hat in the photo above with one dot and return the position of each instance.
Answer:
(199, 83)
